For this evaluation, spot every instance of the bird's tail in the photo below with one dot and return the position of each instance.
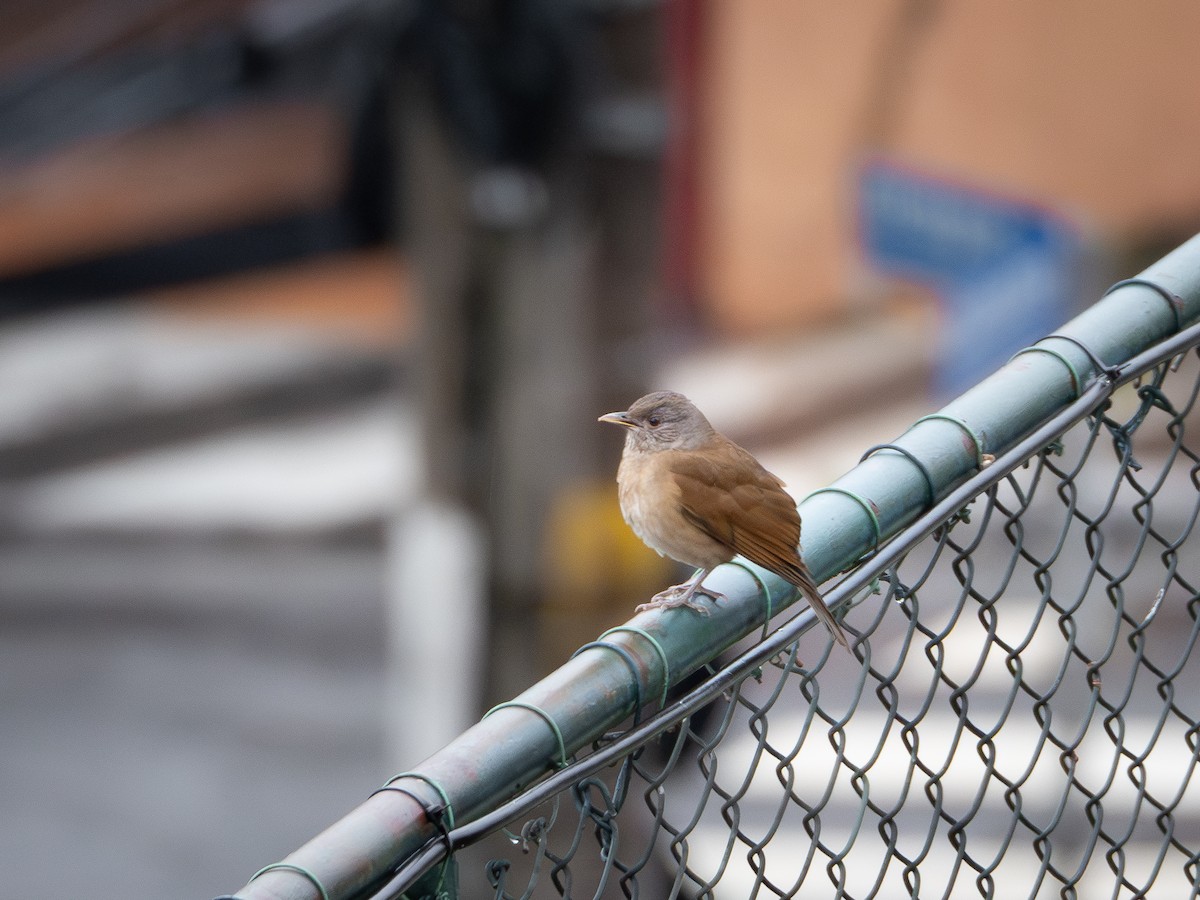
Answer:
(803, 580)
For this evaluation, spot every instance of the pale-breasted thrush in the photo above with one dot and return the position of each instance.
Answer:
(692, 494)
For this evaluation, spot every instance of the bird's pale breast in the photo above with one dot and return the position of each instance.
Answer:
(650, 504)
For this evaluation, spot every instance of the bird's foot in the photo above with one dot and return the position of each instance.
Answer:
(682, 595)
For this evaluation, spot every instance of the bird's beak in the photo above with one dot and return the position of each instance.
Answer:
(618, 418)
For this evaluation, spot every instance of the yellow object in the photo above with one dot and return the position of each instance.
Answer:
(593, 559)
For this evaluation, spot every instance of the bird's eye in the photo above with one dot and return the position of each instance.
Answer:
(654, 421)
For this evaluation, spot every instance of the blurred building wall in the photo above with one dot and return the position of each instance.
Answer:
(1087, 106)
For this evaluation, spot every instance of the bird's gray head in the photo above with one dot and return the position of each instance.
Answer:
(663, 420)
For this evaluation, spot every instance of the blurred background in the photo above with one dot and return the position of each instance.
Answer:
(308, 309)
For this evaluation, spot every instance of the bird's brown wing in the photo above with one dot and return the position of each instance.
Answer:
(726, 492)
(735, 500)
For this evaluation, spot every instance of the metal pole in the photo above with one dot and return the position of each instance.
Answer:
(594, 691)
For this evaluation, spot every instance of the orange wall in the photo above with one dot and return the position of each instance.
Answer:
(180, 178)
(1090, 106)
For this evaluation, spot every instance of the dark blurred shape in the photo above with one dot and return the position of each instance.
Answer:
(505, 73)
(81, 82)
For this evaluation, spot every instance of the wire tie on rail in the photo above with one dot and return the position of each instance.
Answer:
(762, 586)
(1076, 380)
(630, 662)
(441, 791)
(546, 717)
(1173, 299)
(299, 870)
(658, 648)
(981, 455)
(435, 814)
(1112, 373)
(868, 508)
(441, 817)
(912, 458)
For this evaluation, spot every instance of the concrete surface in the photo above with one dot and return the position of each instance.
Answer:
(166, 749)
(192, 660)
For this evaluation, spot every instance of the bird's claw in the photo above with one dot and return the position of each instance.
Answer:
(673, 603)
(681, 595)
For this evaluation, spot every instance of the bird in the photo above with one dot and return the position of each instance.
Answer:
(692, 494)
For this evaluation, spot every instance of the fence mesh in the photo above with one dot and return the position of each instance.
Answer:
(1021, 718)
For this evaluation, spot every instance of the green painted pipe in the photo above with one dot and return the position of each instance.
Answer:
(593, 692)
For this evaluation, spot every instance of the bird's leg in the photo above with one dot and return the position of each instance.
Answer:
(681, 595)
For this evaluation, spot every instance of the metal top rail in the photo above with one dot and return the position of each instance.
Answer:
(919, 476)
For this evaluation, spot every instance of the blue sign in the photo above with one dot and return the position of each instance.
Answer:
(1006, 272)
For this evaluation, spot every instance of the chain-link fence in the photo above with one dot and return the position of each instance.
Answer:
(1019, 716)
